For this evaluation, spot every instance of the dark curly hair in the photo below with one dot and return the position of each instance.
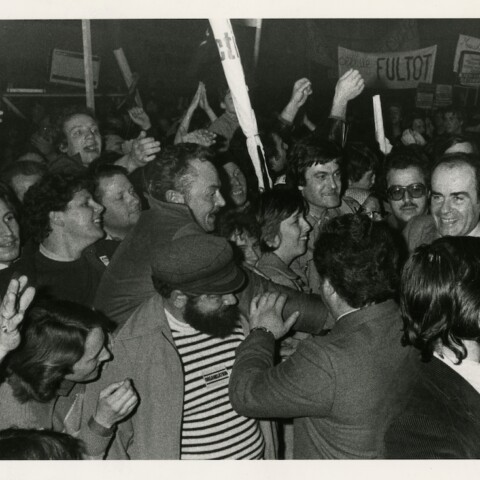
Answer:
(54, 333)
(440, 296)
(50, 194)
(170, 169)
(310, 151)
(360, 258)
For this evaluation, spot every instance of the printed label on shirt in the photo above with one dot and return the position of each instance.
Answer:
(215, 376)
(104, 260)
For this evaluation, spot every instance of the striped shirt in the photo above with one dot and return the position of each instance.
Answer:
(211, 429)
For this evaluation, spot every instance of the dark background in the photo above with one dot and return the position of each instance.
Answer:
(165, 53)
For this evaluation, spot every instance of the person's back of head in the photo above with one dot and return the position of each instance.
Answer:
(22, 175)
(440, 296)
(359, 161)
(360, 258)
(30, 444)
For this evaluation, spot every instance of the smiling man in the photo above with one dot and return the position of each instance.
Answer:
(315, 168)
(406, 186)
(455, 202)
(62, 220)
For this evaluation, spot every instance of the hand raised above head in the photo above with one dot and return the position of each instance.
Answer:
(12, 310)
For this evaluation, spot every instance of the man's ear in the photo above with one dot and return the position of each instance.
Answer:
(179, 299)
(223, 106)
(328, 288)
(172, 196)
(300, 187)
(63, 146)
(56, 218)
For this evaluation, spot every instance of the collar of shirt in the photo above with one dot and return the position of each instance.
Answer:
(178, 325)
(53, 256)
(468, 369)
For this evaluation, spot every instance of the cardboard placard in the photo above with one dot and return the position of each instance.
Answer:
(67, 68)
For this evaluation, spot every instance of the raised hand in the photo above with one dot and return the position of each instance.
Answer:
(140, 117)
(349, 86)
(302, 89)
(143, 150)
(12, 310)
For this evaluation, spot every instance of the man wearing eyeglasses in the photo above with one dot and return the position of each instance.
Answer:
(455, 202)
(406, 182)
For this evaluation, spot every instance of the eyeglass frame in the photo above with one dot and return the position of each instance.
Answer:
(408, 189)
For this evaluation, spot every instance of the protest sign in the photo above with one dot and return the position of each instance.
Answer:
(465, 43)
(393, 70)
(469, 69)
(425, 96)
(443, 96)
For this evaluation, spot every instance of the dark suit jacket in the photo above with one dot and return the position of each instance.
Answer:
(340, 388)
(441, 418)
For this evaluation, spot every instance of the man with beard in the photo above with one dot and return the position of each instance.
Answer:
(406, 186)
(179, 348)
(454, 202)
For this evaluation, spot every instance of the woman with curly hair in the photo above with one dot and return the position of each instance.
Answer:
(63, 347)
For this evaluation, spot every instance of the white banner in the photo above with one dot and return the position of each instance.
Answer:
(465, 44)
(232, 66)
(393, 70)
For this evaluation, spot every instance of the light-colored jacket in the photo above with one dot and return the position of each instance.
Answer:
(144, 350)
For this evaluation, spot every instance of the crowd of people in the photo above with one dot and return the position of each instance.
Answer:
(158, 305)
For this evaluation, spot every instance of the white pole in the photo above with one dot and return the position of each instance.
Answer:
(87, 63)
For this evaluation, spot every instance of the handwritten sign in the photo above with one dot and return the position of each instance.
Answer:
(390, 69)
(465, 44)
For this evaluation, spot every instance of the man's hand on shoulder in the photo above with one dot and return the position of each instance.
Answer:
(266, 313)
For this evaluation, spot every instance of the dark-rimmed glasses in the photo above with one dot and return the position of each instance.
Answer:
(415, 190)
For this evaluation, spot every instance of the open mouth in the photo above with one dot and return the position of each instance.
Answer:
(91, 149)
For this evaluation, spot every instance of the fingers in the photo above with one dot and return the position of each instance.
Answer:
(290, 321)
(110, 389)
(26, 299)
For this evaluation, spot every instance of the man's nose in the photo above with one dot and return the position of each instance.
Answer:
(219, 200)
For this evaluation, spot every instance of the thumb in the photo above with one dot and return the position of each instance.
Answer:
(142, 135)
(107, 391)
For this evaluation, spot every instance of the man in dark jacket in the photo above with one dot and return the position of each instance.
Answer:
(340, 388)
(183, 191)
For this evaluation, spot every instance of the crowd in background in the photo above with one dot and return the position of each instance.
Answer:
(146, 236)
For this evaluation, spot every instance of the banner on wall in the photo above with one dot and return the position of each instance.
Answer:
(465, 44)
(393, 70)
